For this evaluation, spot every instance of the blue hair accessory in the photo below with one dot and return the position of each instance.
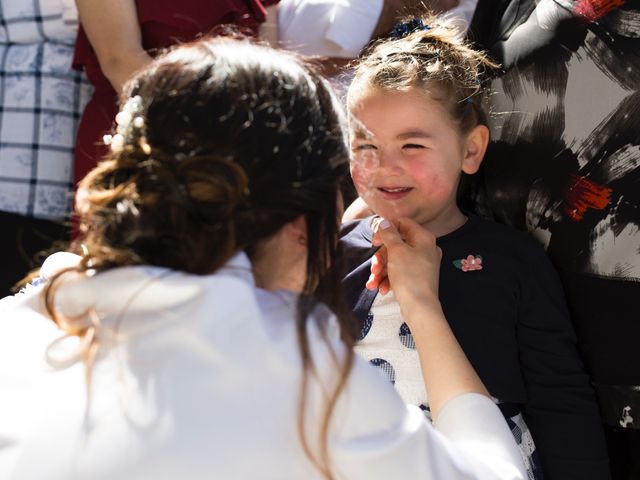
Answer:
(403, 29)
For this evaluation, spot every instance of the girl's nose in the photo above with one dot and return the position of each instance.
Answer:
(390, 161)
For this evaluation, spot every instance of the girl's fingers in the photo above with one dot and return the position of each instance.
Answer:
(377, 265)
(384, 286)
(379, 261)
(378, 269)
(372, 282)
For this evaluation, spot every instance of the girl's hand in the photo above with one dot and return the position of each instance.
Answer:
(378, 278)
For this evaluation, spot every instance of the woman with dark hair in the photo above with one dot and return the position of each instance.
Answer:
(188, 337)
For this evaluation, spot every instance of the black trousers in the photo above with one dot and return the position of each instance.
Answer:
(24, 244)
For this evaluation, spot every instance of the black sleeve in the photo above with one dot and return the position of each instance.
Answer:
(561, 409)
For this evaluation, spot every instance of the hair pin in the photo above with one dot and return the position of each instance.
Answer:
(403, 29)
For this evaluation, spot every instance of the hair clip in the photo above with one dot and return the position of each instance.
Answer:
(403, 29)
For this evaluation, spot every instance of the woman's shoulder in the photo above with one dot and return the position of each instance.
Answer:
(22, 315)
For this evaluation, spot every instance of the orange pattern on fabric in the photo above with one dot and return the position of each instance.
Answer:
(584, 194)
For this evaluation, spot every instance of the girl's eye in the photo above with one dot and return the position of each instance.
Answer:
(413, 145)
(364, 146)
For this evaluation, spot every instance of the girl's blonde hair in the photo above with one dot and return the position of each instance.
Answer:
(427, 54)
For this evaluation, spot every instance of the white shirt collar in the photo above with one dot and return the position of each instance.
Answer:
(144, 289)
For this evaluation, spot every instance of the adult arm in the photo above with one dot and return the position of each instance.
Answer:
(473, 440)
(269, 28)
(114, 33)
(378, 436)
(411, 254)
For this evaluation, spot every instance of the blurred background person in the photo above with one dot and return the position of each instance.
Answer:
(339, 29)
(42, 98)
(119, 37)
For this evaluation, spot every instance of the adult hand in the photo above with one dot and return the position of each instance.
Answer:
(408, 263)
(413, 270)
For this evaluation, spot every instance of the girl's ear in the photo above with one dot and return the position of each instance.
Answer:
(474, 148)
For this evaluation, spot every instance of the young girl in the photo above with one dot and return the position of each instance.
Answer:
(417, 127)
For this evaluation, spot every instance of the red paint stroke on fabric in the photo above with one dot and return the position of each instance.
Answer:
(592, 10)
(583, 194)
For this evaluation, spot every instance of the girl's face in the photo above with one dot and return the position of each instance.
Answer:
(407, 157)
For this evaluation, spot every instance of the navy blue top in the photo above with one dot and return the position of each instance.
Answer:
(511, 320)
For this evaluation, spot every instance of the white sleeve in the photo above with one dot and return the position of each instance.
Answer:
(332, 28)
(24, 335)
(477, 427)
(379, 437)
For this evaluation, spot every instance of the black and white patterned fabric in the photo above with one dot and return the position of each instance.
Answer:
(525, 443)
(386, 342)
(41, 100)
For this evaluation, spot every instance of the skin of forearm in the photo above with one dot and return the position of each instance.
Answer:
(446, 370)
(412, 252)
(114, 33)
(118, 69)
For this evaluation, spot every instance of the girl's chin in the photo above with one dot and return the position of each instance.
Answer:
(391, 216)
(392, 213)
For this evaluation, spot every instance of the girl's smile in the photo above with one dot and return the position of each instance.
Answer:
(394, 193)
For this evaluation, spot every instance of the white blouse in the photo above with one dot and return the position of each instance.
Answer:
(341, 28)
(198, 377)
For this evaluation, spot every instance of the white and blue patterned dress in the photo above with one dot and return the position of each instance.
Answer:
(42, 99)
(386, 342)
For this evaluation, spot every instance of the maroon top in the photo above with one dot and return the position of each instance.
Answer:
(162, 23)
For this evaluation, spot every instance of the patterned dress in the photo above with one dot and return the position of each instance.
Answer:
(42, 99)
(163, 23)
(386, 342)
